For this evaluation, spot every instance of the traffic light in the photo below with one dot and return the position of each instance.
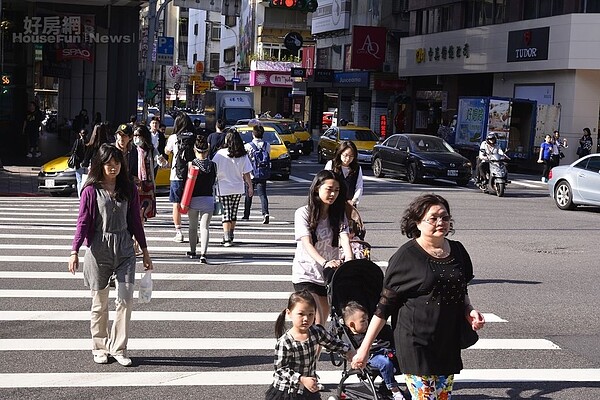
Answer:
(300, 5)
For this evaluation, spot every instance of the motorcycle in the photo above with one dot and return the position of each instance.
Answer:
(497, 177)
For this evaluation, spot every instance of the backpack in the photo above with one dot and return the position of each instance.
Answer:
(261, 162)
(185, 153)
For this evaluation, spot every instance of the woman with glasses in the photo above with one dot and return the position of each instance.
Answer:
(425, 292)
(345, 164)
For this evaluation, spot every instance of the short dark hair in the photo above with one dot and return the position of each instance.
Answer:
(220, 124)
(417, 209)
(258, 131)
(351, 308)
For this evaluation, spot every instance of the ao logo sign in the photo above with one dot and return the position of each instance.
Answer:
(369, 47)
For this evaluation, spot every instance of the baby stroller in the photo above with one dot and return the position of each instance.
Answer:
(356, 228)
(360, 280)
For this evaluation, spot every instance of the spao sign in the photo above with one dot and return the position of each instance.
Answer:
(528, 45)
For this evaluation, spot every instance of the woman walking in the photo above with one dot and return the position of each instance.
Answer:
(109, 214)
(425, 292)
(202, 203)
(233, 170)
(585, 143)
(320, 228)
(345, 164)
(79, 151)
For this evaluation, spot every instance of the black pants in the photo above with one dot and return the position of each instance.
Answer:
(483, 167)
(547, 168)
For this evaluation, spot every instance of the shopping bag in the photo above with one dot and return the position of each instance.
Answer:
(218, 207)
(145, 292)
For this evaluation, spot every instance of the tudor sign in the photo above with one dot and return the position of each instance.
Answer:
(528, 45)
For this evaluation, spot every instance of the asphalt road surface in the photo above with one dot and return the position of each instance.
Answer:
(208, 331)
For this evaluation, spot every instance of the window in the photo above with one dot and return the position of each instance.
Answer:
(230, 20)
(195, 58)
(533, 9)
(593, 164)
(183, 26)
(215, 32)
(487, 12)
(182, 50)
(215, 60)
(195, 29)
(229, 55)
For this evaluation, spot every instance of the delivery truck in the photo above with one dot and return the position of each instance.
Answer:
(228, 106)
(520, 125)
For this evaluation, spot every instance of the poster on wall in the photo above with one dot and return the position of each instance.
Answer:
(547, 121)
(470, 121)
(499, 120)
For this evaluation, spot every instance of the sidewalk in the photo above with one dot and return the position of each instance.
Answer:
(18, 174)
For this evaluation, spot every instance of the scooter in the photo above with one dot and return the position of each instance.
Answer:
(497, 178)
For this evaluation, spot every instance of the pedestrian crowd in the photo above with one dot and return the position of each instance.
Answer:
(425, 285)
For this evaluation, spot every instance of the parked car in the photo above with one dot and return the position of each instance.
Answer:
(576, 184)
(364, 139)
(56, 178)
(281, 162)
(304, 138)
(419, 157)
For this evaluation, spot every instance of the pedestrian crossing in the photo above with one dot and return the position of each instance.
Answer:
(207, 326)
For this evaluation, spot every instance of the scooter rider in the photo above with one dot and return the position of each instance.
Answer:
(486, 149)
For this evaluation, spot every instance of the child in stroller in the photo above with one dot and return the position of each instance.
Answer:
(357, 281)
(356, 318)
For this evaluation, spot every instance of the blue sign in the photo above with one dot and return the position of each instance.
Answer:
(351, 79)
(165, 50)
(235, 80)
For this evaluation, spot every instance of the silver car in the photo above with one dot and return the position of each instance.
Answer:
(576, 184)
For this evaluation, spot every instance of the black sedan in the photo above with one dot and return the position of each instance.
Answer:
(419, 157)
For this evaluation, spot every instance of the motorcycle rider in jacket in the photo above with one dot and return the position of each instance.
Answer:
(486, 149)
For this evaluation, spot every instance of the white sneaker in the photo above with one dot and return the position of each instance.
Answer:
(100, 358)
(397, 395)
(178, 237)
(121, 359)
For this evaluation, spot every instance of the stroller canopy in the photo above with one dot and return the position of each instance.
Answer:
(358, 280)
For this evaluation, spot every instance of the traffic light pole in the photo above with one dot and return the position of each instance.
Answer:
(149, 63)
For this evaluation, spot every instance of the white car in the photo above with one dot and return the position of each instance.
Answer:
(576, 184)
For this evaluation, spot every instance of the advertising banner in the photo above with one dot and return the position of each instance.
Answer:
(470, 121)
(499, 120)
(368, 47)
(331, 15)
(271, 79)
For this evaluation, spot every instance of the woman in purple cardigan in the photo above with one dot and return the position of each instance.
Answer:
(108, 218)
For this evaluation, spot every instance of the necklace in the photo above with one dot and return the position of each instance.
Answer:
(440, 252)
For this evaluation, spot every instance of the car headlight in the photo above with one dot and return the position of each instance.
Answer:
(284, 156)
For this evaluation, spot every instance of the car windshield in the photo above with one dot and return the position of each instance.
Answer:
(359, 135)
(281, 128)
(269, 137)
(429, 144)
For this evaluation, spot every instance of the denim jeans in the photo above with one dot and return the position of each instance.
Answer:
(260, 190)
(386, 368)
(78, 175)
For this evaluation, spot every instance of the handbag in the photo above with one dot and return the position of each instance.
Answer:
(468, 337)
(217, 206)
(579, 150)
(146, 193)
(561, 154)
(73, 161)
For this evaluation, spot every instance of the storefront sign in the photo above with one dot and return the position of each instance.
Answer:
(438, 53)
(396, 85)
(528, 45)
(271, 79)
(368, 47)
(323, 75)
(331, 15)
(293, 41)
(351, 79)
(298, 72)
(471, 121)
(308, 59)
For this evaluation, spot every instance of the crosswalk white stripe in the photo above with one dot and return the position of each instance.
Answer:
(299, 180)
(229, 316)
(170, 343)
(240, 229)
(264, 378)
(157, 294)
(155, 276)
(226, 250)
(169, 260)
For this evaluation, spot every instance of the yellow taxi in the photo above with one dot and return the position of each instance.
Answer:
(281, 162)
(364, 139)
(302, 135)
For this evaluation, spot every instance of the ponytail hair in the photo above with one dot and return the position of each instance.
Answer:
(302, 296)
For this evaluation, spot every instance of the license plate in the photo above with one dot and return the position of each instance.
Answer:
(452, 172)
(49, 182)
(364, 158)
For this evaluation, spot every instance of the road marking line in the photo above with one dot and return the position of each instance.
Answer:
(155, 276)
(150, 238)
(165, 294)
(219, 343)
(299, 180)
(156, 249)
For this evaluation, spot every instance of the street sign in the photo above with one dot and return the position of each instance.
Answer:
(298, 72)
(201, 86)
(174, 71)
(164, 50)
(235, 80)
